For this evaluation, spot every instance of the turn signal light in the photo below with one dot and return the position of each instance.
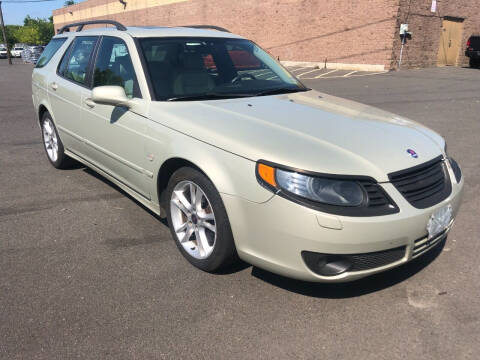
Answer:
(267, 173)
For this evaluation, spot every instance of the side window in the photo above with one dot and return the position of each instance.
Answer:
(49, 51)
(77, 64)
(64, 62)
(114, 66)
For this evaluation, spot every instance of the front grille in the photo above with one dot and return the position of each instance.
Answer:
(373, 260)
(376, 197)
(378, 202)
(424, 244)
(423, 185)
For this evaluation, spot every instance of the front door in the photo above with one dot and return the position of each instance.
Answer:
(450, 41)
(116, 136)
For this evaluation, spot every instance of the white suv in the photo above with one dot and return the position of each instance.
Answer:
(205, 128)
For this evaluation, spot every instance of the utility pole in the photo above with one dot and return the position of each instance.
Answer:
(5, 35)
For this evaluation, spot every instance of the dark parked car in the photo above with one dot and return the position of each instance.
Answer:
(473, 51)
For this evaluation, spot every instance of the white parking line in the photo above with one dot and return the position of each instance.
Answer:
(328, 72)
(350, 73)
(357, 75)
(302, 68)
(307, 72)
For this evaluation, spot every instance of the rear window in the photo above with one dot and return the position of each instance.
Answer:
(49, 51)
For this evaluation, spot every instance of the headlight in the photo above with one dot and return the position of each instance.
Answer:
(343, 195)
(327, 191)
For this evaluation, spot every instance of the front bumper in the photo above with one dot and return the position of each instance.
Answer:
(272, 235)
(474, 54)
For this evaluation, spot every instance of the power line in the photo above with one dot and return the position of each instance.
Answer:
(26, 1)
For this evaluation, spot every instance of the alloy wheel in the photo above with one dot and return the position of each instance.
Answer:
(193, 219)
(50, 139)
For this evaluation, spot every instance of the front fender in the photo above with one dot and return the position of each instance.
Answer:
(231, 174)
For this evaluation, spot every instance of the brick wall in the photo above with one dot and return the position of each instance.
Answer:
(339, 31)
(336, 31)
(422, 49)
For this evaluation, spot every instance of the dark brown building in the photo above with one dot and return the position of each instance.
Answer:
(356, 34)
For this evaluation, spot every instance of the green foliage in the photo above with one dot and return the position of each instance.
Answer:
(11, 31)
(69, 2)
(34, 31)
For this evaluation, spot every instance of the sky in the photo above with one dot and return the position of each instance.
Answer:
(14, 13)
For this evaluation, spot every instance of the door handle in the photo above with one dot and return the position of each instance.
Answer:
(89, 102)
(54, 86)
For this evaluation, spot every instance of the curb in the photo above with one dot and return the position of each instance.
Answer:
(337, 66)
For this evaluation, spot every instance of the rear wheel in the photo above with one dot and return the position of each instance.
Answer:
(53, 145)
(198, 221)
(474, 63)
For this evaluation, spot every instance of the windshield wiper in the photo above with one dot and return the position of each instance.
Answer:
(282, 90)
(207, 96)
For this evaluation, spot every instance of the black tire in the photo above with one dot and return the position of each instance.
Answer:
(62, 161)
(474, 63)
(224, 253)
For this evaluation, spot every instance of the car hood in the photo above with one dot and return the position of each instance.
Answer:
(307, 130)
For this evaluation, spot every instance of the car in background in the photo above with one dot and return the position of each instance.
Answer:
(16, 52)
(473, 51)
(3, 52)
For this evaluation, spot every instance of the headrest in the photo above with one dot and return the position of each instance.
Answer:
(193, 61)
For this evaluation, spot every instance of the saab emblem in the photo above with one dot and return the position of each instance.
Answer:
(412, 153)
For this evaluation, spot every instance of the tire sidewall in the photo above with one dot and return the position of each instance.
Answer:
(61, 151)
(224, 252)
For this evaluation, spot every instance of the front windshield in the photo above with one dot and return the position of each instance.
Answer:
(209, 68)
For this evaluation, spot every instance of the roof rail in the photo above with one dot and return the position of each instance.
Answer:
(83, 23)
(213, 27)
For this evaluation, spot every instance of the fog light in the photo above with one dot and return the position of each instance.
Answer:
(326, 265)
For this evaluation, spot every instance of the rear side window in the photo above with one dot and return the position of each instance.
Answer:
(79, 58)
(64, 62)
(114, 66)
(49, 51)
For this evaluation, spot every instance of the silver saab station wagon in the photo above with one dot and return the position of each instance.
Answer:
(206, 128)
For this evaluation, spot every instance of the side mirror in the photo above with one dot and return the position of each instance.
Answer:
(110, 95)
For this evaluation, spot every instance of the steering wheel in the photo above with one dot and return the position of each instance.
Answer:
(243, 76)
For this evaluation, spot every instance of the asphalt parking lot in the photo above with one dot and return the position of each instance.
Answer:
(87, 273)
(313, 73)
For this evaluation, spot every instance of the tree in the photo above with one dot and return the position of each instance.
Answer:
(69, 2)
(34, 31)
(12, 31)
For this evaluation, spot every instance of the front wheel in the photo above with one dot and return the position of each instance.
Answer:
(198, 221)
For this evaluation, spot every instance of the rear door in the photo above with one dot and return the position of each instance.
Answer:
(65, 91)
(116, 137)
